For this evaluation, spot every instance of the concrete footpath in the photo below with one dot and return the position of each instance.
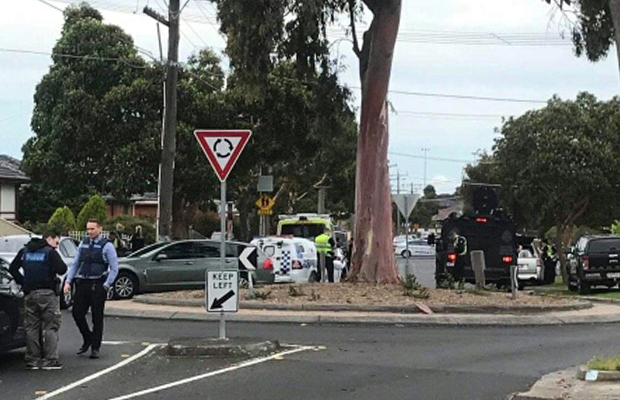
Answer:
(598, 313)
(565, 385)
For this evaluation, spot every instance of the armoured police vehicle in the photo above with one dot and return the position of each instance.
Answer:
(487, 229)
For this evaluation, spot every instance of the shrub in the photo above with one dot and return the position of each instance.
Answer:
(62, 221)
(94, 208)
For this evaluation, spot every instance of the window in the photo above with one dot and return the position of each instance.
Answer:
(68, 248)
(308, 231)
(208, 249)
(525, 254)
(269, 251)
(180, 251)
(604, 246)
(146, 249)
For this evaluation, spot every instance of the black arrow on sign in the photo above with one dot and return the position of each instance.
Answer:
(217, 303)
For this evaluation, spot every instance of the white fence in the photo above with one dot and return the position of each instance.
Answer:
(80, 235)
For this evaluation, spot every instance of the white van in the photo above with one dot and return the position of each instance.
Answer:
(292, 259)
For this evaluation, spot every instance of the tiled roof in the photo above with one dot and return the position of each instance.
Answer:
(9, 169)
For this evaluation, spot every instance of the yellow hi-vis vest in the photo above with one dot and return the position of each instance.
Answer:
(322, 243)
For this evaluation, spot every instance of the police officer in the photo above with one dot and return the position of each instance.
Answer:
(460, 248)
(93, 271)
(41, 265)
(325, 247)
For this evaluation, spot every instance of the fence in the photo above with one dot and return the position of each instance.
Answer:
(80, 235)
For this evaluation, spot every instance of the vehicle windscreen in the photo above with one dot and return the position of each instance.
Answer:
(146, 249)
(604, 245)
(308, 231)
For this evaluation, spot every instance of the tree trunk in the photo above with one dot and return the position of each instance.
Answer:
(559, 247)
(614, 7)
(373, 256)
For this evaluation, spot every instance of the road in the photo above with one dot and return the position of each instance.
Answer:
(364, 362)
(422, 267)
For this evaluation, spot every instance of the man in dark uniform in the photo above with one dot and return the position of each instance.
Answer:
(94, 270)
(42, 265)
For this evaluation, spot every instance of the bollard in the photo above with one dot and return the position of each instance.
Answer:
(478, 264)
(514, 282)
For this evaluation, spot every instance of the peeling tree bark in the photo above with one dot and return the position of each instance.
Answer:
(373, 256)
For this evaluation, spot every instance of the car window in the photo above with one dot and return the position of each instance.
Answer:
(525, 254)
(67, 247)
(581, 244)
(308, 231)
(208, 249)
(604, 245)
(300, 251)
(233, 250)
(180, 251)
(146, 249)
(269, 251)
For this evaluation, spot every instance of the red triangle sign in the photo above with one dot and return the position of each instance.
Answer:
(222, 148)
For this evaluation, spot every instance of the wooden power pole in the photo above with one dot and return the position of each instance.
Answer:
(169, 129)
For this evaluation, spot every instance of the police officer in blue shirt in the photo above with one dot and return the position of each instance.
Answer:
(93, 272)
(41, 265)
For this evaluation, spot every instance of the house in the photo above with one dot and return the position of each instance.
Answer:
(10, 179)
(143, 206)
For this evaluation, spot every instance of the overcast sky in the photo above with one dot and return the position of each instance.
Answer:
(452, 47)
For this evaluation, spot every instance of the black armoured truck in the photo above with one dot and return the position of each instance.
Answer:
(487, 229)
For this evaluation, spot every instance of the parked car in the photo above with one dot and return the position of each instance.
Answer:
(292, 260)
(530, 267)
(12, 333)
(595, 261)
(417, 248)
(176, 265)
(67, 248)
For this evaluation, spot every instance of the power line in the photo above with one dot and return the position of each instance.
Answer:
(72, 56)
(461, 97)
(51, 5)
(456, 160)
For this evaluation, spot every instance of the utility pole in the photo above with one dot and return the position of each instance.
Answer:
(169, 128)
(425, 150)
(397, 212)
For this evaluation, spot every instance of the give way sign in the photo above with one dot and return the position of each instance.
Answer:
(222, 148)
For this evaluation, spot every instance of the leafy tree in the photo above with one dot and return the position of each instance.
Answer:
(561, 162)
(296, 31)
(62, 221)
(595, 26)
(94, 208)
(96, 115)
(426, 208)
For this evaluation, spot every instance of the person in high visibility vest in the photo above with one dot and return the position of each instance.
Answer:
(325, 247)
(460, 248)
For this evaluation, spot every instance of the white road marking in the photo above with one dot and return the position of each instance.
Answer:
(235, 367)
(114, 342)
(100, 373)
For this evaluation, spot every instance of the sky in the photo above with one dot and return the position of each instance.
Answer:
(445, 47)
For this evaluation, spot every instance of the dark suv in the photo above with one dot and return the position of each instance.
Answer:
(595, 260)
(12, 334)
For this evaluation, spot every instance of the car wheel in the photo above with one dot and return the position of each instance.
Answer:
(314, 277)
(406, 254)
(584, 287)
(124, 287)
(66, 299)
(572, 286)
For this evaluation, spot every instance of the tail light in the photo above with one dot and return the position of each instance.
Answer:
(297, 264)
(539, 262)
(585, 261)
(452, 257)
(507, 259)
(268, 264)
(481, 220)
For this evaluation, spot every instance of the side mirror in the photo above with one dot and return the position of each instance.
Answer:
(161, 256)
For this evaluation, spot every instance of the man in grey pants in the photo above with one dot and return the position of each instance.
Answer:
(42, 265)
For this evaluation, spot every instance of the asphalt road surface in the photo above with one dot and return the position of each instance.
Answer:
(422, 267)
(360, 362)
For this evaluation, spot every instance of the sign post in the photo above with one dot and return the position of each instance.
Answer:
(406, 203)
(222, 148)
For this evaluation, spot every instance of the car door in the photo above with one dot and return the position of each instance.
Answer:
(174, 266)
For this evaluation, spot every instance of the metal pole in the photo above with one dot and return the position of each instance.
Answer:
(397, 212)
(407, 239)
(223, 250)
